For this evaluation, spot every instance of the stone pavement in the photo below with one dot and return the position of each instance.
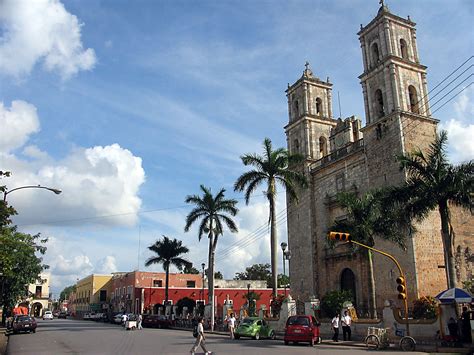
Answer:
(3, 340)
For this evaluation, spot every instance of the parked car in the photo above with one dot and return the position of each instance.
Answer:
(254, 327)
(86, 316)
(156, 321)
(22, 323)
(56, 314)
(302, 329)
(62, 315)
(48, 315)
(118, 318)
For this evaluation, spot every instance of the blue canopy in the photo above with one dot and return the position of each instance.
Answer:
(457, 295)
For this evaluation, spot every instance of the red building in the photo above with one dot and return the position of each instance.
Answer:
(139, 292)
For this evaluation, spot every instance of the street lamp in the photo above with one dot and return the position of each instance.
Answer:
(286, 256)
(5, 193)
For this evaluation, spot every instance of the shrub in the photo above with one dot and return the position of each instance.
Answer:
(424, 308)
(333, 301)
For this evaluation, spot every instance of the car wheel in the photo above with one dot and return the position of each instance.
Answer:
(286, 342)
(256, 336)
(311, 342)
(272, 335)
(236, 336)
(34, 330)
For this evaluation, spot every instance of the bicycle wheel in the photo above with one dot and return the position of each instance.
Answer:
(407, 344)
(372, 341)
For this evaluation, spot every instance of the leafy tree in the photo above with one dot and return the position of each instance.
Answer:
(191, 270)
(252, 298)
(213, 212)
(5, 211)
(168, 253)
(255, 272)
(186, 302)
(367, 217)
(64, 295)
(434, 183)
(333, 301)
(274, 167)
(218, 275)
(21, 263)
(469, 285)
(425, 307)
(283, 280)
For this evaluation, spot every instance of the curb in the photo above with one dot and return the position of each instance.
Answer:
(3, 341)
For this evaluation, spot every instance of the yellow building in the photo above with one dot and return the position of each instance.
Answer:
(93, 294)
(38, 295)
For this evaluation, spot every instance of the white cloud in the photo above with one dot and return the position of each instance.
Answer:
(78, 265)
(41, 30)
(106, 265)
(460, 140)
(18, 122)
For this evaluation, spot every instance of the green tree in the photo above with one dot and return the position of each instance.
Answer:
(218, 275)
(255, 272)
(168, 252)
(273, 168)
(191, 270)
(435, 184)
(369, 216)
(283, 280)
(5, 211)
(21, 263)
(333, 301)
(64, 295)
(252, 297)
(213, 212)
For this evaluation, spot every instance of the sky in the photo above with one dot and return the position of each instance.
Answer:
(129, 106)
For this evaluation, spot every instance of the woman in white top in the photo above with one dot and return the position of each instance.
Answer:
(335, 327)
(231, 324)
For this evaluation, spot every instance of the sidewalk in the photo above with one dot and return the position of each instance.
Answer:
(3, 341)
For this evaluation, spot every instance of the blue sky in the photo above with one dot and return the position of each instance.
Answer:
(129, 106)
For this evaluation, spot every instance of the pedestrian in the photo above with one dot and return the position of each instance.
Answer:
(231, 324)
(346, 322)
(200, 339)
(466, 325)
(124, 319)
(335, 328)
(139, 320)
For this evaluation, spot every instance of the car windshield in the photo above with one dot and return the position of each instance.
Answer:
(298, 321)
(247, 321)
(23, 319)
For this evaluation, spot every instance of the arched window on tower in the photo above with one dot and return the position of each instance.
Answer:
(403, 49)
(296, 146)
(413, 99)
(296, 108)
(319, 106)
(348, 282)
(379, 105)
(375, 53)
(323, 147)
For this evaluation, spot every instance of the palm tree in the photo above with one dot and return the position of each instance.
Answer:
(274, 167)
(434, 183)
(213, 212)
(369, 216)
(168, 253)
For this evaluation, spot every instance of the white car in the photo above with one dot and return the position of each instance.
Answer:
(48, 315)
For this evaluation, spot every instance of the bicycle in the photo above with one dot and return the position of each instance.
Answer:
(378, 338)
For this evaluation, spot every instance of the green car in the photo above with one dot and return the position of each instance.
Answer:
(254, 327)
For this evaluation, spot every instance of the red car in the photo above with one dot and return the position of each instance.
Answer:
(22, 323)
(302, 329)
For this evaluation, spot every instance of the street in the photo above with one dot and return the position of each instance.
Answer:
(67, 336)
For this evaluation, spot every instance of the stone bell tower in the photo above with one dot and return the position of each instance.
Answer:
(398, 118)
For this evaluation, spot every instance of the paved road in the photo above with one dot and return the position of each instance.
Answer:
(67, 336)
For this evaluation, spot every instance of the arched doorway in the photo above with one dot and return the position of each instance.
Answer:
(36, 309)
(348, 282)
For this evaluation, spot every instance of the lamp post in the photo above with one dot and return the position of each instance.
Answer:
(203, 273)
(286, 255)
(6, 192)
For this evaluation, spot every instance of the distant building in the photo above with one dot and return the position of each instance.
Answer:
(39, 296)
(92, 294)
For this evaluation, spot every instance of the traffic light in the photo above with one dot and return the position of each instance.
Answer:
(340, 236)
(401, 288)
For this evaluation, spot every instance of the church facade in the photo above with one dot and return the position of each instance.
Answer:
(341, 155)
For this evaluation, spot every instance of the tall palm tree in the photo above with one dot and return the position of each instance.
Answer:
(213, 212)
(274, 167)
(168, 252)
(434, 183)
(369, 216)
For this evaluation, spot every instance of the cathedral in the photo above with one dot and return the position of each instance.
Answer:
(342, 155)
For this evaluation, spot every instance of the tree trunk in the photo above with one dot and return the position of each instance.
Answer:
(448, 246)
(210, 275)
(372, 302)
(273, 245)
(167, 282)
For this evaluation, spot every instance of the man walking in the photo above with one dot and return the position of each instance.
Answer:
(335, 328)
(139, 321)
(346, 322)
(200, 339)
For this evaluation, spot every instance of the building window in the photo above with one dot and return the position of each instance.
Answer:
(103, 296)
(38, 291)
(296, 108)
(157, 283)
(190, 284)
(413, 99)
(375, 53)
(403, 49)
(348, 282)
(319, 107)
(323, 147)
(379, 105)
(296, 146)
